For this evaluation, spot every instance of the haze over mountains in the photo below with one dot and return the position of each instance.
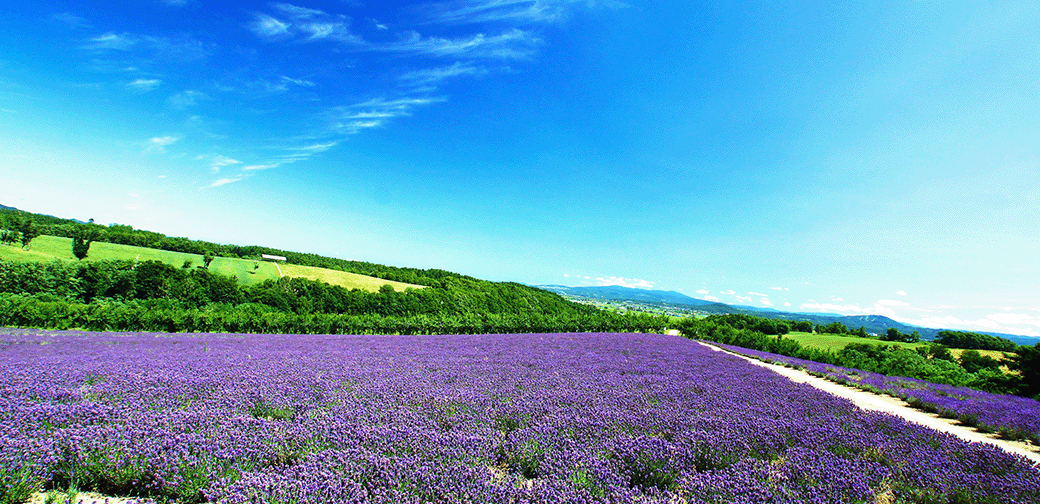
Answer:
(662, 299)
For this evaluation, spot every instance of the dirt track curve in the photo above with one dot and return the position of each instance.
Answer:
(888, 404)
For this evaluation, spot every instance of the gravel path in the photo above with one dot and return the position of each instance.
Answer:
(892, 405)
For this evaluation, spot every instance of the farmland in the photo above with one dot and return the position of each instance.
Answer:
(834, 342)
(490, 418)
(246, 271)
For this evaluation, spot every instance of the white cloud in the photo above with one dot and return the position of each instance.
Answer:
(186, 99)
(703, 291)
(1014, 319)
(218, 161)
(257, 167)
(223, 181)
(267, 26)
(144, 84)
(374, 113)
(635, 283)
(713, 299)
(776, 288)
(525, 11)
(766, 302)
(429, 76)
(298, 12)
(72, 20)
(786, 303)
(901, 293)
(730, 292)
(758, 294)
(511, 44)
(159, 144)
(112, 41)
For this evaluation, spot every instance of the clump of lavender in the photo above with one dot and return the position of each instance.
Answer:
(492, 418)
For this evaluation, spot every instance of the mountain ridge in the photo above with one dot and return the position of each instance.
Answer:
(872, 323)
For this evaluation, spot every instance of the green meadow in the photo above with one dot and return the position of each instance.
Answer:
(835, 342)
(247, 271)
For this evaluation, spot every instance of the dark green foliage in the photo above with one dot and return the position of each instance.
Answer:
(28, 229)
(80, 248)
(1027, 363)
(975, 341)
(940, 352)
(894, 334)
(206, 259)
(972, 361)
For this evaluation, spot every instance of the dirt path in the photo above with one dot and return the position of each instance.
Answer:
(892, 405)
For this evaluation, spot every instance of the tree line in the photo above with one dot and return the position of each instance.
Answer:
(154, 296)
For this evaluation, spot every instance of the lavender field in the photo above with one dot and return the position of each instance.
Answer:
(491, 418)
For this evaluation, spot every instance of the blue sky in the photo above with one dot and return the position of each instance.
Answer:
(798, 155)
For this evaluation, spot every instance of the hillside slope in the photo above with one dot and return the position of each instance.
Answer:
(247, 272)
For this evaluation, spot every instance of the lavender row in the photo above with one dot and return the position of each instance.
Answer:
(493, 418)
(1013, 417)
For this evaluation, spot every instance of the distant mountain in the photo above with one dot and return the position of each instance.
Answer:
(5, 207)
(877, 324)
(619, 293)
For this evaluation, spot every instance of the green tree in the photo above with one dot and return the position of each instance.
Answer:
(972, 361)
(206, 259)
(80, 248)
(29, 231)
(1027, 363)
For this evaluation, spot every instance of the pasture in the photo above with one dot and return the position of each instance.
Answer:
(835, 342)
(247, 271)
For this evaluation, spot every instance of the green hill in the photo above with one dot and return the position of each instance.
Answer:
(136, 280)
(248, 272)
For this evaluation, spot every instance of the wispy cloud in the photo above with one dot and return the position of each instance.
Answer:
(310, 24)
(72, 20)
(159, 144)
(223, 181)
(635, 283)
(111, 41)
(186, 99)
(144, 84)
(433, 75)
(307, 24)
(268, 27)
(759, 294)
(375, 113)
(216, 162)
(523, 11)
(510, 44)
(256, 167)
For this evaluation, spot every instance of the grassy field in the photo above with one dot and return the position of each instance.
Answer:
(49, 248)
(835, 342)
